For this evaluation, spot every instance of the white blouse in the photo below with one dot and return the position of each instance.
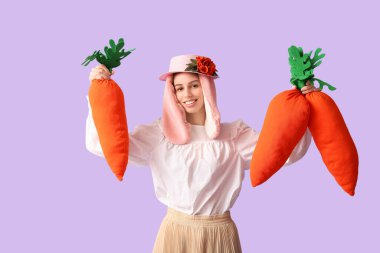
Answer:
(203, 177)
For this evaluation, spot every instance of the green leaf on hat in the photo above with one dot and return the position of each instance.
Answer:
(192, 66)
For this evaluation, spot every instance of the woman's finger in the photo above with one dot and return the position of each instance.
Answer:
(169, 79)
(310, 90)
(307, 90)
(308, 83)
(103, 69)
(97, 75)
(308, 87)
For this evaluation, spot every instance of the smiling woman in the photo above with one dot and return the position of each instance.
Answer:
(197, 163)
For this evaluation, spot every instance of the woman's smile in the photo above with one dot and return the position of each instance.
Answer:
(190, 103)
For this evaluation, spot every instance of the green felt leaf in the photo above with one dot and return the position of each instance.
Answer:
(107, 51)
(112, 55)
(120, 45)
(316, 60)
(90, 58)
(300, 50)
(322, 83)
(100, 57)
(126, 54)
(308, 55)
(302, 67)
(113, 45)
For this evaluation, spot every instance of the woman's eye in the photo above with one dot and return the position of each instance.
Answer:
(179, 89)
(195, 85)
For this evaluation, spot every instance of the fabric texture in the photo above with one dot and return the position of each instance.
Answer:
(284, 125)
(333, 140)
(202, 177)
(184, 233)
(108, 111)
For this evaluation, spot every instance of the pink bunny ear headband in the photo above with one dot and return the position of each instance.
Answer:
(174, 123)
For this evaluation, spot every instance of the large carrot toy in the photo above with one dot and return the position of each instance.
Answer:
(284, 125)
(108, 109)
(325, 122)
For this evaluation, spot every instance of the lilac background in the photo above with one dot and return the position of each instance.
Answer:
(57, 197)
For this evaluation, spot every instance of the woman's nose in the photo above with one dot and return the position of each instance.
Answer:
(188, 92)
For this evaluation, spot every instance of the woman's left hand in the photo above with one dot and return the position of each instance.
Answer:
(307, 88)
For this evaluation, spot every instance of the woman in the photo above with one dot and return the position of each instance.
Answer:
(197, 163)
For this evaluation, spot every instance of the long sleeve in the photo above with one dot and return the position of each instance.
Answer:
(300, 149)
(142, 141)
(248, 137)
(92, 138)
(246, 142)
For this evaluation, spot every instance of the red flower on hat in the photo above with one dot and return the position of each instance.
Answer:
(203, 65)
(206, 65)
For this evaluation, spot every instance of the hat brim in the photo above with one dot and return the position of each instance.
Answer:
(165, 75)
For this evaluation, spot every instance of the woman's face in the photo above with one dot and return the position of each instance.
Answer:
(189, 91)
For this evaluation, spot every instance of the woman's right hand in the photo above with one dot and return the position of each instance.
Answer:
(307, 88)
(100, 72)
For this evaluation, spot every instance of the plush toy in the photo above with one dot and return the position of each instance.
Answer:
(108, 109)
(288, 116)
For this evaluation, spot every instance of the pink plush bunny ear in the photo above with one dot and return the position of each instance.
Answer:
(174, 123)
(212, 123)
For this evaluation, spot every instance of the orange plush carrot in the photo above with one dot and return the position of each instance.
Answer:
(283, 128)
(326, 123)
(285, 123)
(333, 140)
(108, 110)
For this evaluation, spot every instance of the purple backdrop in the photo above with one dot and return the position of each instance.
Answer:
(57, 197)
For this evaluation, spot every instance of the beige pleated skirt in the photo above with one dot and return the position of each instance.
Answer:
(182, 233)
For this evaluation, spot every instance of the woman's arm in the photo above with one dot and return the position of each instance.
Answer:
(92, 137)
(142, 140)
(300, 149)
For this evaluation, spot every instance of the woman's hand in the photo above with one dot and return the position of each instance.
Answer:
(307, 88)
(100, 72)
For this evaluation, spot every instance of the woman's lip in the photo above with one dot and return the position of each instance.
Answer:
(191, 105)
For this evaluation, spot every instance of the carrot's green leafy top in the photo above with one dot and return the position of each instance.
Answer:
(302, 67)
(112, 56)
